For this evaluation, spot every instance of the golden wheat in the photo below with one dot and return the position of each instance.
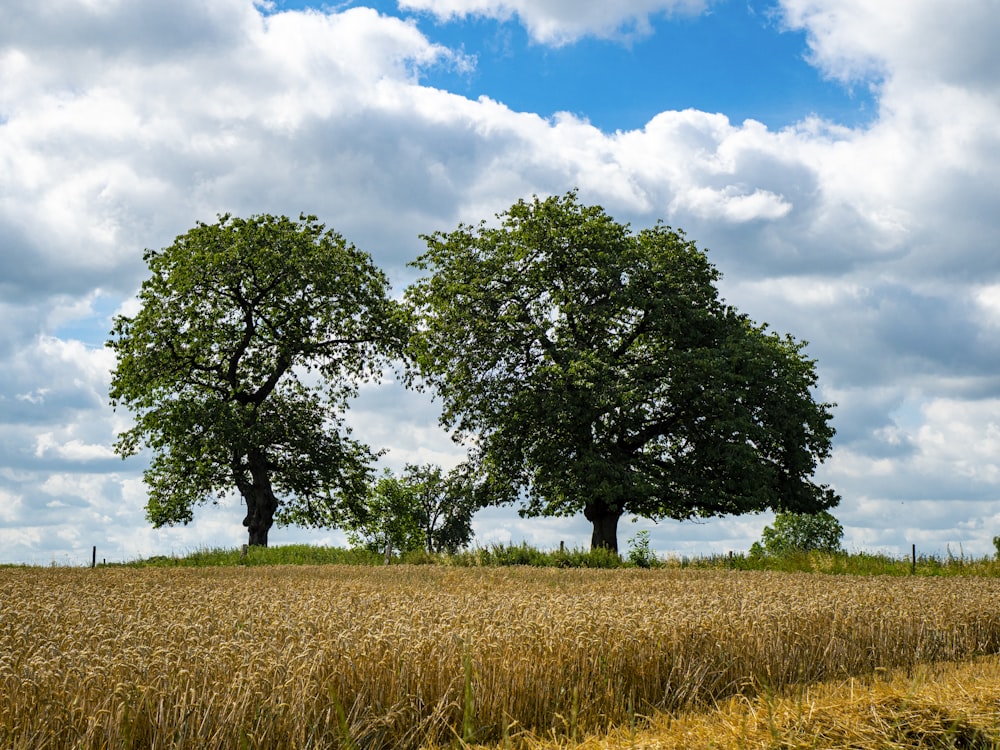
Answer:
(303, 657)
(943, 705)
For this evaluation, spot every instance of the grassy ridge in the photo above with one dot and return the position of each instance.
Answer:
(292, 554)
(839, 563)
(397, 657)
(304, 554)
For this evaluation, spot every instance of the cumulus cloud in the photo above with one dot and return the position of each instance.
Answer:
(558, 22)
(730, 204)
(900, 40)
(122, 124)
(940, 491)
(72, 450)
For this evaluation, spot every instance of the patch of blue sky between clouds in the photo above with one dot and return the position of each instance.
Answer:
(734, 59)
(92, 323)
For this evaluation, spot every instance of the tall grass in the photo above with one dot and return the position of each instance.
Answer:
(501, 555)
(290, 554)
(394, 657)
(497, 555)
(848, 563)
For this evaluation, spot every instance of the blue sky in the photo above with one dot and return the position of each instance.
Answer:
(738, 59)
(840, 159)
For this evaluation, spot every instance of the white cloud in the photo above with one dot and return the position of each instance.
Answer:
(10, 507)
(36, 396)
(85, 366)
(949, 468)
(21, 544)
(818, 293)
(911, 39)
(71, 450)
(560, 22)
(730, 204)
(100, 159)
(988, 299)
(919, 175)
(961, 439)
(122, 124)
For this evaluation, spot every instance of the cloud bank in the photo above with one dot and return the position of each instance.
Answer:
(122, 124)
(558, 22)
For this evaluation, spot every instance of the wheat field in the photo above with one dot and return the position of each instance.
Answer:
(413, 656)
(939, 706)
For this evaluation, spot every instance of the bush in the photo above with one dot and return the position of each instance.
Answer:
(521, 554)
(640, 554)
(799, 532)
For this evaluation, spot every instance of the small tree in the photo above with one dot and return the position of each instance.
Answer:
(799, 532)
(216, 368)
(640, 552)
(424, 508)
(388, 519)
(445, 505)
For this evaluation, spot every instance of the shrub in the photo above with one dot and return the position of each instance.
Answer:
(799, 532)
(640, 554)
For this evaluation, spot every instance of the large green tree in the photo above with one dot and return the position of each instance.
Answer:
(598, 371)
(251, 337)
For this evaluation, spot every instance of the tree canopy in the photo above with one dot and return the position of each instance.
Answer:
(596, 370)
(423, 508)
(800, 532)
(251, 337)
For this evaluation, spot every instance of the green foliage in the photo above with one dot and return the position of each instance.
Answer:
(445, 504)
(640, 553)
(799, 532)
(521, 554)
(389, 518)
(291, 554)
(216, 367)
(599, 372)
(996, 543)
(845, 563)
(835, 563)
(423, 557)
(423, 509)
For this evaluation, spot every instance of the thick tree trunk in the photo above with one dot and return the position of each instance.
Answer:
(258, 521)
(605, 521)
(260, 499)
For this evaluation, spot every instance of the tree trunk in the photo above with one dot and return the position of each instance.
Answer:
(260, 499)
(605, 521)
(258, 522)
